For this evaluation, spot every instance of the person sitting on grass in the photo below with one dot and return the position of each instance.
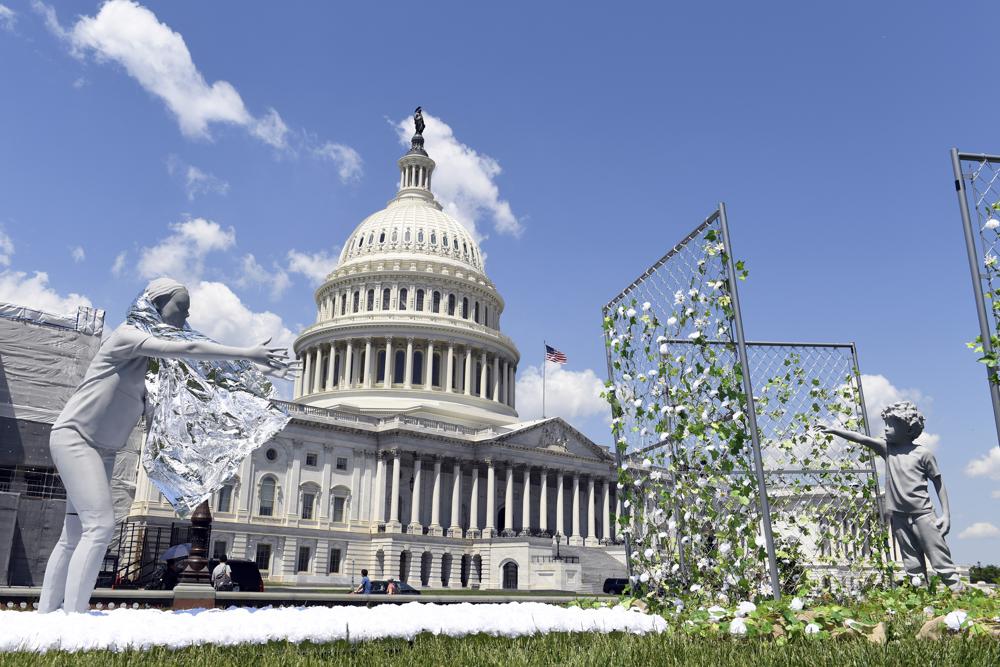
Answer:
(908, 468)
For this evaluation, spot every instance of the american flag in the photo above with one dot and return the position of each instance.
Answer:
(552, 354)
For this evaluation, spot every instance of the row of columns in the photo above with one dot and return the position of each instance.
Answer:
(351, 373)
(576, 536)
(333, 304)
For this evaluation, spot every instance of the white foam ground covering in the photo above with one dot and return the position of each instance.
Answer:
(121, 629)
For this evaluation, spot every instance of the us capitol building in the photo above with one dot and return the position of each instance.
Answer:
(405, 454)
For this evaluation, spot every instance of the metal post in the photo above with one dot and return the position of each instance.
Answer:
(741, 351)
(618, 465)
(977, 287)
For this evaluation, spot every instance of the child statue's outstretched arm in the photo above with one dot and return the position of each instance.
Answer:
(875, 444)
(944, 521)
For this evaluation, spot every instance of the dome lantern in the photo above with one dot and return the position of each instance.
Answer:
(416, 166)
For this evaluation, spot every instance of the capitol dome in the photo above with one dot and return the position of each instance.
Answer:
(408, 321)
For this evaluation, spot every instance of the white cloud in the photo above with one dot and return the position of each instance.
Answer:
(118, 268)
(252, 273)
(568, 394)
(316, 266)
(18, 288)
(464, 179)
(218, 313)
(158, 59)
(196, 181)
(6, 248)
(346, 159)
(980, 530)
(881, 393)
(182, 254)
(78, 254)
(995, 494)
(987, 465)
(8, 17)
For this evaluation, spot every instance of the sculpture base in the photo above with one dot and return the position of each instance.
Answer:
(455, 531)
(393, 527)
(574, 541)
(194, 596)
(591, 542)
(436, 531)
(415, 529)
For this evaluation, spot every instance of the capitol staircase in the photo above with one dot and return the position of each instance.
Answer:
(596, 565)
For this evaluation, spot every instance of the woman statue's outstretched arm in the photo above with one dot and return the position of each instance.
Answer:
(271, 357)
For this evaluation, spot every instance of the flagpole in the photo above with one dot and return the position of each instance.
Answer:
(544, 357)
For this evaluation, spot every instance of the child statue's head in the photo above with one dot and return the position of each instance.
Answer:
(903, 423)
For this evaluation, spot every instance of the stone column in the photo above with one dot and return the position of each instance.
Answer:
(508, 512)
(456, 501)
(591, 540)
(543, 502)
(449, 385)
(496, 379)
(379, 504)
(307, 373)
(576, 539)
(387, 380)
(330, 379)
(368, 363)
(606, 532)
(474, 503)
(416, 526)
(468, 371)
(505, 386)
(317, 372)
(429, 366)
(408, 372)
(490, 498)
(511, 382)
(349, 364)
(435, 527)
(560, 508)
(483, 392)
(526, 503)
(394, 526)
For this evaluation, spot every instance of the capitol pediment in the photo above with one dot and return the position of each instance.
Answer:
(557, 436)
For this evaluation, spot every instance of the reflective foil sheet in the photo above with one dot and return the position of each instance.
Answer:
(207, 416)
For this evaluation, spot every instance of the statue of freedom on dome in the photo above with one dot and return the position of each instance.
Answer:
(418, 120)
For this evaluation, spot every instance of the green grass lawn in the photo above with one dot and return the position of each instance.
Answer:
(554, 649)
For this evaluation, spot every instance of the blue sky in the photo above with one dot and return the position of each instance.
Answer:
(237, 145)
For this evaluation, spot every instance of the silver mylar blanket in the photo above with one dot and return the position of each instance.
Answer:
(207, 416)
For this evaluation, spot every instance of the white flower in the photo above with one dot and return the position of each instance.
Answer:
(620, 486)
(694, 335)
(745, 608)
(929, 611)
(812, 629)
(644, 577)
(646, 463)
(671, 525)
(737, 627)
(646, 305)
(990, 260)
(796, 604)
(671, 321)
(621, 310)
(992, 223)
(637, 402)
(917, 580)
(627, 377)
(695, 588)
(678, 297)
(630, 312)
(615, 342)
(651, 373)
(664, 349)
(724, 548)
(955, 620)
(648, 553)
(716, 613)
(738, 415)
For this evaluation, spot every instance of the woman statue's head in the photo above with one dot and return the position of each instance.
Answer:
(171, 299)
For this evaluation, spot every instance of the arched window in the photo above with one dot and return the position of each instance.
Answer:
(510, 576)
(451, 304)
(475, 312)
(465, 248)
(386, 293)
(486, 315)
(403, 296)
(477, 369)
(370, 301)
(265, 504)
(361, 241)
(417, 376)
(371, 237)
(357, 301)
(436, 304)
(381, 237)
(406, 236)
(308, 498)
(399, 372)
(420, 300)
(339, 496)
(444, 240)
(420, 236)
(395, 235)
(343, 303)
(465, 308)
(224, 498)
(455, 242)
(434, 238)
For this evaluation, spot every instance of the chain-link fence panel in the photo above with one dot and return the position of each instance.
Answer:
(977, 182)
(694, 460)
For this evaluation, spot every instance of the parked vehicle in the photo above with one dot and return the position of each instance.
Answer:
(613, 586)
(246, 574)
(379, 588)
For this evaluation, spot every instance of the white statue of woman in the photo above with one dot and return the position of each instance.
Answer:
(97, 421)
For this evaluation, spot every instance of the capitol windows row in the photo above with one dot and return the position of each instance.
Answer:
(418, 300)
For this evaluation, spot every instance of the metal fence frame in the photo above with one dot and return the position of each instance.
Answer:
(741, 349)
(967, 168)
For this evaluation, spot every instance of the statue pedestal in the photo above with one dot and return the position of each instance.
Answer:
(194, 596)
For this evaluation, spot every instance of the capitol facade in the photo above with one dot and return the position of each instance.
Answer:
(405, 455)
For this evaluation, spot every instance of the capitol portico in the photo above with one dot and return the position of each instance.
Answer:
(405, 455)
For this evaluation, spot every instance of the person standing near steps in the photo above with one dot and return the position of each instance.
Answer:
(97, 420)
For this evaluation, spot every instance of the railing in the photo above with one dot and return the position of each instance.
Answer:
(395, 317)
(555, 559)
(388, 422)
